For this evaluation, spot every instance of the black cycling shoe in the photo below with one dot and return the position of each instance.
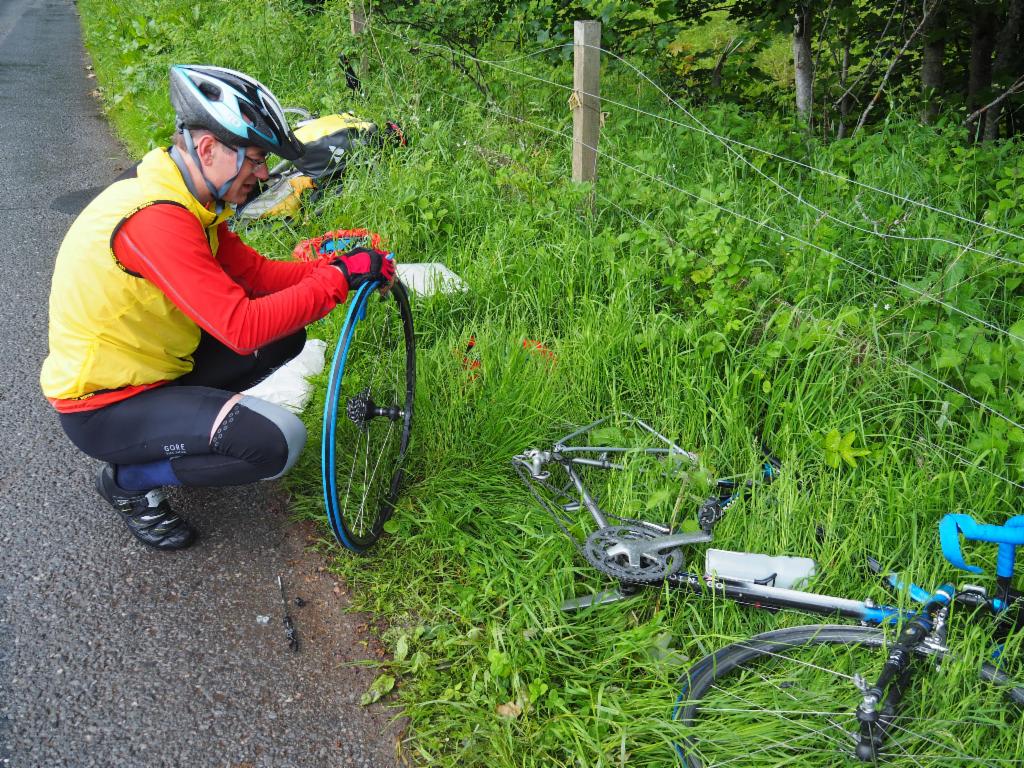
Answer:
(148, 515)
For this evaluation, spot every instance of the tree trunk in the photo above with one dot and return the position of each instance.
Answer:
(932, 56)
(892, 64)
(803, 64)
(979, 73)
(1014, 113)
(1002, 68)
(844, 76)
(716, 74)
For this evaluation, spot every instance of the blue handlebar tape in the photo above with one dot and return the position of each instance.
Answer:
(1008, 536)
(1008, 549)
(944, 594)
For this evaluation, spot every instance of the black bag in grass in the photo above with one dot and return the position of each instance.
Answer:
(331, 142)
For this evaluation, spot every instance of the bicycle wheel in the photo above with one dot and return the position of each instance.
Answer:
(368, 415)
(789, 698)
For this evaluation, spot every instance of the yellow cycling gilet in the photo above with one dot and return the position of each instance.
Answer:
(110, 329)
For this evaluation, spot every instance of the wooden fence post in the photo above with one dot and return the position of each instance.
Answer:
(585, 100)
(357, 13)
(357, 17)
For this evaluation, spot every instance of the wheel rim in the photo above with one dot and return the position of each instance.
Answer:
(794, 704)
(368, 415)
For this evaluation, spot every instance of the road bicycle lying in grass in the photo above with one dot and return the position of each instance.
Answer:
(820, 694)
(368, 410)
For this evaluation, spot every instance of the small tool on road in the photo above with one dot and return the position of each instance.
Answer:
(289, 626)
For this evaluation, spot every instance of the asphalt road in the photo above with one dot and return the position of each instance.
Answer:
(110, 654)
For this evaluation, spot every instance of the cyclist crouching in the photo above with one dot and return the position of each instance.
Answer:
(160, 315)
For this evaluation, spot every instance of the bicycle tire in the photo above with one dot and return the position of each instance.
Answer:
(374, 369)
(788, 697)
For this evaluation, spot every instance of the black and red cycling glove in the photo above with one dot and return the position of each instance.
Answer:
(365, 265)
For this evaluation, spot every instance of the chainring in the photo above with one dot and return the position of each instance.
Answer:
(653, 567)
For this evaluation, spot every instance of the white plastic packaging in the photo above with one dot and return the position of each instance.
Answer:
(428, 279)
(289, 385)
(780, 571)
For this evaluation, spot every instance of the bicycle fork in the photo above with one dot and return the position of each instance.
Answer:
(879, 704)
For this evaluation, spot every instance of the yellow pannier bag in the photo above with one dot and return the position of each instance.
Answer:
(330, 142)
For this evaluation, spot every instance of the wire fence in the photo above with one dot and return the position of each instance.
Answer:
(699, 127)
(731, 147)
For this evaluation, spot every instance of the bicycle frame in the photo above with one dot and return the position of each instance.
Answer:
(534, 467)
(642, 553)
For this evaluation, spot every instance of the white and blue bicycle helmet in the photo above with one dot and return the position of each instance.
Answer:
(237, 109)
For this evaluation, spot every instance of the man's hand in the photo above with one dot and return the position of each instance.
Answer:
(365, 265)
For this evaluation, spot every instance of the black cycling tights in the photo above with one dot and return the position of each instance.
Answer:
(189, 422)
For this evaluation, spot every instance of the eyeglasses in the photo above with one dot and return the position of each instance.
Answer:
(257, 163)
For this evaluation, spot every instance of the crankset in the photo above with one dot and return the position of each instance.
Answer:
(631, 554)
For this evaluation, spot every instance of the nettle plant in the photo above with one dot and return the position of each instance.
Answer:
(717, 265)
(983, 360)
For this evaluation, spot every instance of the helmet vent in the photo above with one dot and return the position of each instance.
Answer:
(210, 91)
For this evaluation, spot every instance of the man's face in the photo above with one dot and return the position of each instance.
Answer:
(254, 168)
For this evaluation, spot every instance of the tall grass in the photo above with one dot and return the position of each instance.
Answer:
(793, 345)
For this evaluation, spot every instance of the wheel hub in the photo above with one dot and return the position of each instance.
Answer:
(361, 410)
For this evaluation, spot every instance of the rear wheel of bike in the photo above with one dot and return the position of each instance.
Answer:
(789, 697)
(368, 415)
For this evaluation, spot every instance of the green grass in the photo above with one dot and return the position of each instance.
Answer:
(708, 327)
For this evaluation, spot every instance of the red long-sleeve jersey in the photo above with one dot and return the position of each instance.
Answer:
(240, 297)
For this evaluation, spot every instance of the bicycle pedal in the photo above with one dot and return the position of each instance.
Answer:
(604, 597)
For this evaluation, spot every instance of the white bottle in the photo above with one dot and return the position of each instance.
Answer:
(782, 571)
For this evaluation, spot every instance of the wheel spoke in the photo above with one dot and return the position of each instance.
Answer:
(742, 752)
(786, 698)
